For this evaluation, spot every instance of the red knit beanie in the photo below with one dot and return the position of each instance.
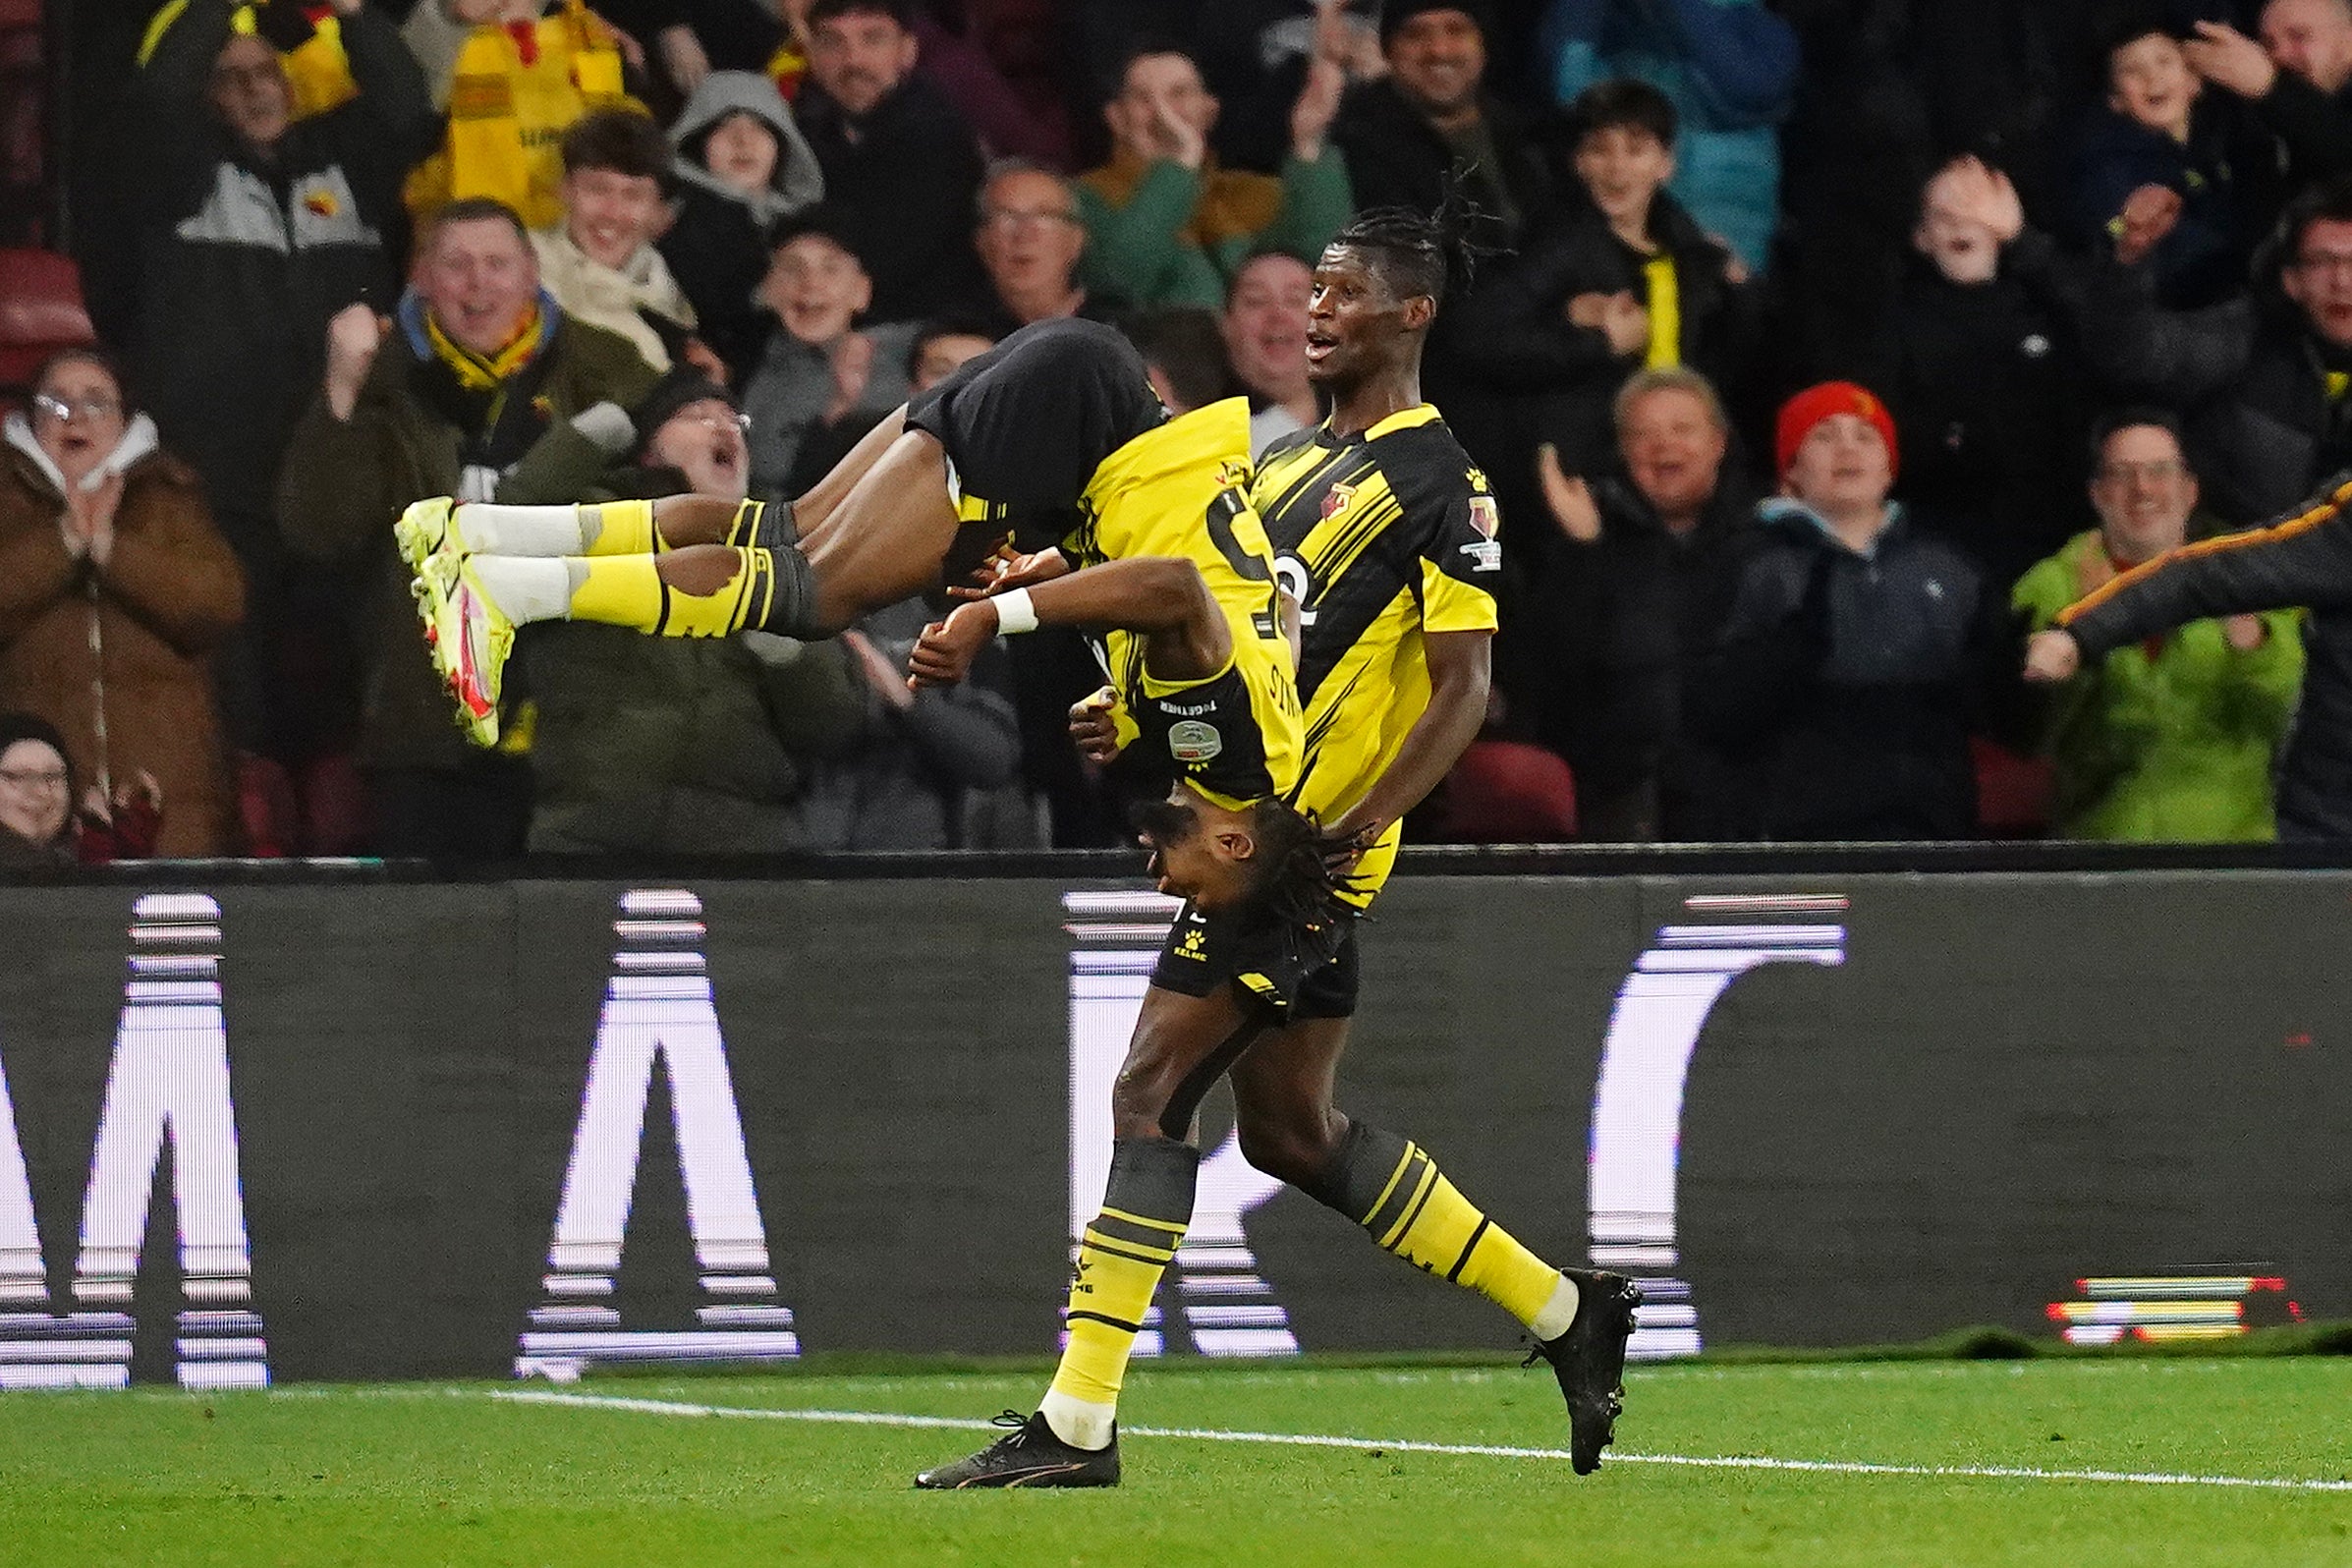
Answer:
(1809, 407)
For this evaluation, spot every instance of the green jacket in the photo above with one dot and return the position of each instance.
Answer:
(678, 745)
(344, 481)
(1161, 233)
(2170, 745)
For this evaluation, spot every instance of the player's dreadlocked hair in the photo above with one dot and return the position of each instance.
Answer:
(1294, 883)
(1420, 252)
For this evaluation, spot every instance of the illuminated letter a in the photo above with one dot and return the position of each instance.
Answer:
(657, 1006)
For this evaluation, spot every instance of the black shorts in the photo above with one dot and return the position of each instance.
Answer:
(1294, 973)
(1028, 422)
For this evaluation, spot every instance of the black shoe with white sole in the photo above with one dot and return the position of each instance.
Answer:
(1588, 1359)
(1029, 1455)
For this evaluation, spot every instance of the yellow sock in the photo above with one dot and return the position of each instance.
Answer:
(1119, 1263)
(1145, 1209)
(1419, 1215)
(618, 591)
(619, 528)
(628, 590)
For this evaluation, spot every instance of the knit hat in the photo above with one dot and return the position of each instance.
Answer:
(14, 727)
(679, 389)
(1809, 407)
(1394, 14)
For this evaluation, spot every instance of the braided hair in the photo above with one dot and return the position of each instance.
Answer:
(1420, 252)
(1295, 883)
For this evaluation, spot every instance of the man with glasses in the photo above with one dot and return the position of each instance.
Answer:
(2273, 386)
(1030, 241)
(254, 228)
(2171, 738)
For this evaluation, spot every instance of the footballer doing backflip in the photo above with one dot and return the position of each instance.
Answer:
(1386, 537)
(1056, 423)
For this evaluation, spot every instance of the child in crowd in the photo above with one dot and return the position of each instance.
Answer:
(817, 366)
(1619, 280)
(741, 168)
(2162, 171)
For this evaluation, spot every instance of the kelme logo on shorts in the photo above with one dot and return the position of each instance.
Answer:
(1192, 743)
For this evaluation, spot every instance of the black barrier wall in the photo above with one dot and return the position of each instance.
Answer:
(393, 1131)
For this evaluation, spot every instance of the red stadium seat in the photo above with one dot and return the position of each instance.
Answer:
(41, 312)
(2014, 793)
(1508, 792)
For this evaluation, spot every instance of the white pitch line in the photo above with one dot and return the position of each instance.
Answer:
(1828, 1467)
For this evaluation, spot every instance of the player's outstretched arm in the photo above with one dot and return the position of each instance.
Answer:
(1461, 670)
(1164, 597)
(2304, 559)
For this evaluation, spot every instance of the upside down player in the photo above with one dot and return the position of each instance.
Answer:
(1385, 530)
(1060, 418)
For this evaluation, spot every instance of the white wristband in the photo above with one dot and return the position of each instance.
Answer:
(1014, 613)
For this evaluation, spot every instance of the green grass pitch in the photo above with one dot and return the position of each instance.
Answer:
(1978, 1463)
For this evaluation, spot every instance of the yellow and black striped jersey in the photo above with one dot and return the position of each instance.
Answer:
(1181, 490)
(1381, 539)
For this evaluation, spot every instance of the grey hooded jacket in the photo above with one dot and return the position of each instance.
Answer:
(718, 247)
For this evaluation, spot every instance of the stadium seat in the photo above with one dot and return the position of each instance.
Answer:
(2014, 793)
(41, 312)
(1508, 792)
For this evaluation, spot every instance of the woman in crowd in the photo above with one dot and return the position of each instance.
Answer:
(114, 587)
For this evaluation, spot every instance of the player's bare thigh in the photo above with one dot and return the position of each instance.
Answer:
(885, 540)
(686, 521)
(1180, 1046)
(1282, 1092)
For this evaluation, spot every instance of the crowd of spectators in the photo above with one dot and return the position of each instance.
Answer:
(1820, 349)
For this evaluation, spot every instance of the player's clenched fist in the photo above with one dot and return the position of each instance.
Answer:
(1095, 726)
(943, 654)
(2052, 656)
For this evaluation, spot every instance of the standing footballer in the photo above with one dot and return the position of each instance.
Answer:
(1385, 536)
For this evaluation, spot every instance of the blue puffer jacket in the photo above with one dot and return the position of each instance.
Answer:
(1730, 68)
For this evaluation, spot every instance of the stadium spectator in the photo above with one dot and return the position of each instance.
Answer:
(41, 828)
(1981, 359)
(1254, 55)
(900, 165)
(958, 52)
(1165, 224)
(1731, 69)
(479, 390)
(819, 364)
(1431, 122)
(685, 746)
(741, 168)
(2173, 738)
(1264, 327)
(513, 75)
(1619, 618)
(2266, 372)
(2298, 78)
(600, 265)
(115, 588)
(2164, 170)
(254, 228)
(1618, 279)
(688, 42)
(1029, 239)
(1184, 352)
(36, 795)
(1838, 695)
(937, 348)
(924, 764)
